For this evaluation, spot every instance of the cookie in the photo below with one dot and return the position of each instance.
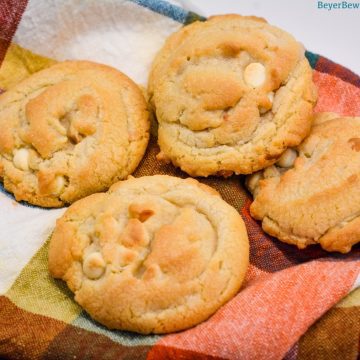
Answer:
(312, 194)
(154, 254)
(70, 130)
(230, 95)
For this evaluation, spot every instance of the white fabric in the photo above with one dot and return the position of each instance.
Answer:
(113, 32)
(23, 231)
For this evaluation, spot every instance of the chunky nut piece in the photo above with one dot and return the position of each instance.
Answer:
(127, 257)
(141, 211)
(287, 159)
(21, 159)
(271, 171)
(94, 265)
(59, 184)
(152, 272)
(34, 160)
(225, 173)
(252, 181)
(134, 234)
(163, 158)
(270, 96)
(255, 74)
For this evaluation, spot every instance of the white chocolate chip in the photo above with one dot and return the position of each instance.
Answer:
(59, 184)
(21, 159)
(271, 96)
(287, 159)
(94, 265)
(255, 74)
(252, 181)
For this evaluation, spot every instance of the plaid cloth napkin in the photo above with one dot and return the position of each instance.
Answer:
(294, 304)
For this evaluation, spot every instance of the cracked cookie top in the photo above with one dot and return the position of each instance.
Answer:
(230, 94)
(312, 194)
(70, 130)
(154, 254)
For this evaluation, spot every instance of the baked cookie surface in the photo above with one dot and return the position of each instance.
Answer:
(312, 195)
(230, 95)
(70, 130)
(154, 254)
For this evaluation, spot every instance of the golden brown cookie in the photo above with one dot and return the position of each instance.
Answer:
(230, 94)
(154, 254)
(312, 194)
(70, 130)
